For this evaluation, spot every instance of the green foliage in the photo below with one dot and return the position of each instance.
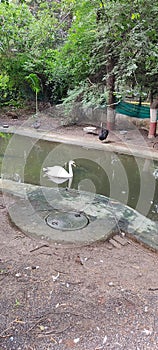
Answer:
(65, 48)
(5, 135)
(4, 80)
(90, 95)
(17, 303)
(13, 32)
(100, 32)
(138, 44)
(25, 38)
(34, 82)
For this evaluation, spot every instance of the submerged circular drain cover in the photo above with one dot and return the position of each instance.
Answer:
(67, 220)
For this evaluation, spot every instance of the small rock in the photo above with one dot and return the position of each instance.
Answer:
(114, 243)
(76, 340)
(105, 339)
(18, 274)
(55, 277)
(35, 267)
(5, 126)
(121, 240)
(147, 331)
(111, 284)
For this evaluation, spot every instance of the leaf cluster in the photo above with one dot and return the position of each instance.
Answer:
(68, 44)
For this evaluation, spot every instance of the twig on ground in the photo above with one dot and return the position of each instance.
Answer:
(57, 332)
(153, 289)
(5, 330)
(36, 324)
(5, 336)
(64, 273)
(49, 254)
(36, 248)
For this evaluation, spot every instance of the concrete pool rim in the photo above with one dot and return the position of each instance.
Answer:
(107, 217)
(121, 147)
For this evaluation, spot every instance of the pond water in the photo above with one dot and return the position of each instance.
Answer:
(126, 178)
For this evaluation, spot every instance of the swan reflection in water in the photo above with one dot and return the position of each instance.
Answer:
(59, 175)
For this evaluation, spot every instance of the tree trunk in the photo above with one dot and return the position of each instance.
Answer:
(36, 102)
(153, 119)
(110, 85)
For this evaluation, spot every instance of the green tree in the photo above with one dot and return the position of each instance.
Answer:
(90, 50)
(120, 42)
(26, 39)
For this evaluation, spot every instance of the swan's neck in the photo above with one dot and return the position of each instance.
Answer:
(70, 169)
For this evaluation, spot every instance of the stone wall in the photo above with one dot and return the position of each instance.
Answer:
(78, 115)
(91, 116)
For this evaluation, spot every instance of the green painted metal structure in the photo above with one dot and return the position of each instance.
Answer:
(133, 110)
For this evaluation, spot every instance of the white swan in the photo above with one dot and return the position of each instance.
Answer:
(155, 174)
(58, 174)
(59, 180)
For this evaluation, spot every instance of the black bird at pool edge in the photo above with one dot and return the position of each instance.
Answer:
(103, 133)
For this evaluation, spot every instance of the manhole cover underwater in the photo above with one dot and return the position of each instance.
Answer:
(67, 220)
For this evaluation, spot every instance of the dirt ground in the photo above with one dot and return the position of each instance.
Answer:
(88, 297)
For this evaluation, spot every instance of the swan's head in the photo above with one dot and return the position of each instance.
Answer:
(71, 162)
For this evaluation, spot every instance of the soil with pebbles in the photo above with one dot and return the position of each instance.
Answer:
(88, 297)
